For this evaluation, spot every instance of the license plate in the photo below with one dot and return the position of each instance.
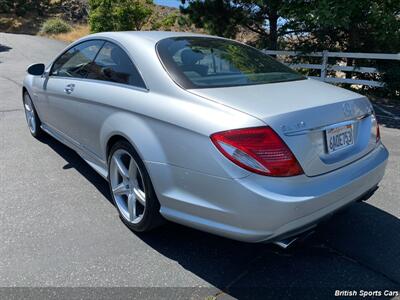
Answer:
(339, 138)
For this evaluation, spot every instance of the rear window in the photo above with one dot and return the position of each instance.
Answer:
(198, 62)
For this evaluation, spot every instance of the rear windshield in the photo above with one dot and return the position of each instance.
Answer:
(199, 62)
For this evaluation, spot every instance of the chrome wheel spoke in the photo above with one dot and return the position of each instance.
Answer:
(121, 168)
(121, 189)
(132, 171)
(140, 196)
(127, 186)
(132, 207)
(30, 115)
(32, 122)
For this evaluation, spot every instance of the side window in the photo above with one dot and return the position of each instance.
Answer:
(75, 62)
(113, 64)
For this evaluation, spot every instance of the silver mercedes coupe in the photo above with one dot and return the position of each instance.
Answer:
(207, 132)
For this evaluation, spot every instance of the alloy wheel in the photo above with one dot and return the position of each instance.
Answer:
(127, 186)
(30, 114)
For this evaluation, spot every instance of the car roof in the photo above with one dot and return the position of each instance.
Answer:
(140, 46)
(153, 36)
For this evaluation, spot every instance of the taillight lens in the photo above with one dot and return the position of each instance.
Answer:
(258, 150)
(378, 133)
(375, 128)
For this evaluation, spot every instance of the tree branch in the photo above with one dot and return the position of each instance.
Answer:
(256, 30)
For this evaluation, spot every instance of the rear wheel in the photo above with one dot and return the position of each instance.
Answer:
(31, 117)
(131, 188)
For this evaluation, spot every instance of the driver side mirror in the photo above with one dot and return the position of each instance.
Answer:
(36, 69)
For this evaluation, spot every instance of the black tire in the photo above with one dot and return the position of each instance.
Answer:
(151, 215)
(36, 131)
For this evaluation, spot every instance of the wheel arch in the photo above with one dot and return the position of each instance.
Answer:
(24, 90)
(136, 131)
(113, 140)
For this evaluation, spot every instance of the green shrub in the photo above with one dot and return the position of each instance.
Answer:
(131, 15)
(112, 15)
(5, 6)
(55, 26)
(165, 23)
(391, 77)
(100, 16)
(169, 20)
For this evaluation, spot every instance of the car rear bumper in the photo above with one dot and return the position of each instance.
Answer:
(258, 208)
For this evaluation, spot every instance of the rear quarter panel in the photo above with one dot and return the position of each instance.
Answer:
(169, 130)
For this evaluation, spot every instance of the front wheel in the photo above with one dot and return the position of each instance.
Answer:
(131, 188)
(32, 117)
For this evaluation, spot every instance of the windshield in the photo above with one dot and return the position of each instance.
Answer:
(200, 62)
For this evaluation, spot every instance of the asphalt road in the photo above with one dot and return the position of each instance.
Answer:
(59, 228)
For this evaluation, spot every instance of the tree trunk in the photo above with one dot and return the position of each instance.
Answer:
(354, 41)
(273, 30)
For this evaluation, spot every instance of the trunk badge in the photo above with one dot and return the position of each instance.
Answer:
(348, 109)
(294, 127)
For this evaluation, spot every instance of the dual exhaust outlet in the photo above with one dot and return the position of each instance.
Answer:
(291, 241)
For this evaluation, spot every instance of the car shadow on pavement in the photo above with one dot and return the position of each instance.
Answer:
(76, 162)
(357, 249)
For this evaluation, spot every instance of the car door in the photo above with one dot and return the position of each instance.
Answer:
(64, 88)
(114, 82)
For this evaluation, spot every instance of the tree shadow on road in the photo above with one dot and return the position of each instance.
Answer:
(357, 249)
(388, 115)
(4, 48)
(388, 122)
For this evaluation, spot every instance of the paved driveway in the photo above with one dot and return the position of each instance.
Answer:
(59, 228)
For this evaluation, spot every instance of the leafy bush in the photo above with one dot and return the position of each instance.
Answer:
(114, 15)
(5, 6)
(164, 23)
(169, 20)
(100, 15)
(131, 15)
(55, 26)
(391, 77)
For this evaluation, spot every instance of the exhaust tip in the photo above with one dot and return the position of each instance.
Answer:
(286, 243)
(289, 242)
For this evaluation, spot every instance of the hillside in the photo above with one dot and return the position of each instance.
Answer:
(74, 12)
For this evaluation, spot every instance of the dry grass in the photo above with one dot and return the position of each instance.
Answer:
(77, 32)
(31, 24)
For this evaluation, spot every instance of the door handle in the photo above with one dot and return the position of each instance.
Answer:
(69, 88)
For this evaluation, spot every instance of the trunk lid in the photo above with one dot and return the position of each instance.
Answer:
(302, 112)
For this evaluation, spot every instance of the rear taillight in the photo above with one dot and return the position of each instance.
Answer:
(378, 133)
(375, 128)
(258, 150)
